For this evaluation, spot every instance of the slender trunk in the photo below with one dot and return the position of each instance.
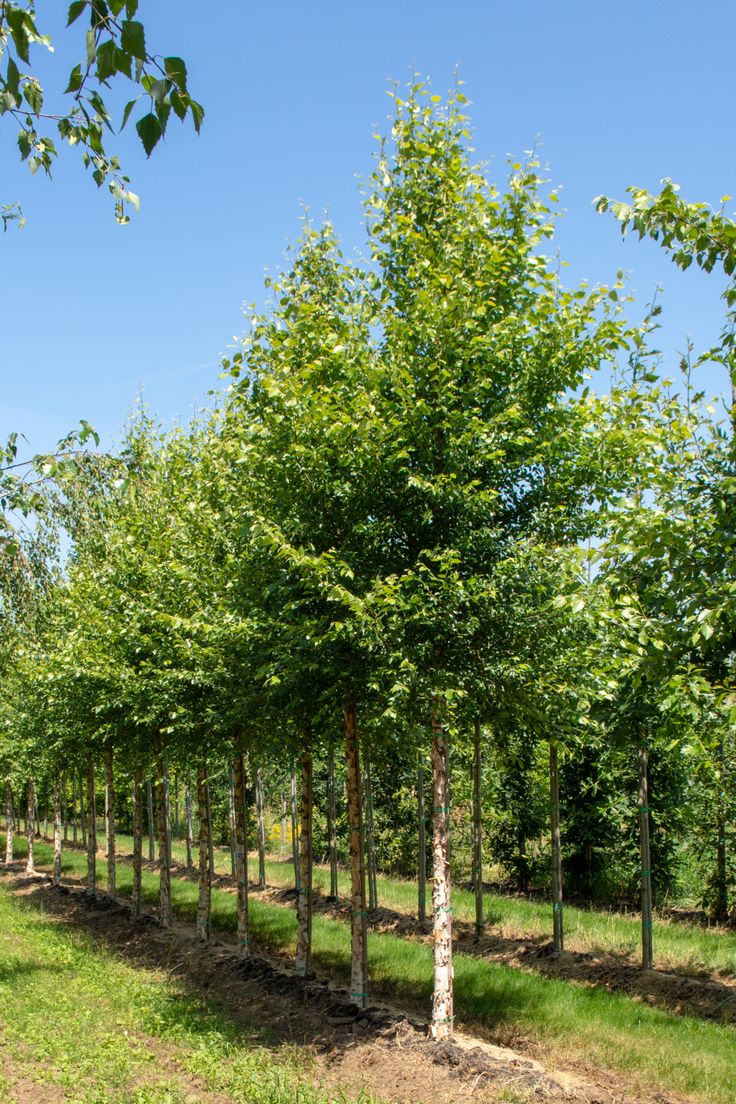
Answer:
(332, 823)
(57, 828)
(110, 821)
(151, 821)
(82, 812)
(137, 839)
(554, 804)
(190, 830)
(9, 822)
(422, 816)
(91, 829)
(167, 810)
(283, 822)
(241, 847)
(647, 956)
(75, 817)
(163, 848)
(477, 833)
(205, 870)
(261, 831)
(176, 806)
(64, 809)
(46, 820)
(303, 962)
(30, 868)
(359, 925)
(233, 860)
(720, 908)
(442, 997)
(294, 830)
(370, 841)
(210, 835)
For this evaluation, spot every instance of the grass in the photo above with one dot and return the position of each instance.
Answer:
(78, 1022)
(569, 1021)
(681, 946)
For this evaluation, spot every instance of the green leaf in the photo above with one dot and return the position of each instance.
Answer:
(149, 132)
(197, 114)
(133, 39)
(12, 79)
(91, 48)
(176, 70)
(126, 113)
(75, 10)
(75, 79)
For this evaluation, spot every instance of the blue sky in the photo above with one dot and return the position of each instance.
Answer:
(92, 312)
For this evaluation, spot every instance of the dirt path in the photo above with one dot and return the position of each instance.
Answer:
(382, 1049)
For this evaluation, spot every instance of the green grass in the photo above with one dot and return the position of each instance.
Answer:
(76, 1018)
(608, 1029)
(678, 946)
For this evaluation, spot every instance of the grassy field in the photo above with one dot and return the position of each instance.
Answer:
(681, 946)
(78, 1024)
(566, 1021)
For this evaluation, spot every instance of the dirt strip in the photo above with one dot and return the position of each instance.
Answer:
(382, 1049)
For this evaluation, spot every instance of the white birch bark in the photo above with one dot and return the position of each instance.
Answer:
(9, 821)
(442, 997)
(30, 868)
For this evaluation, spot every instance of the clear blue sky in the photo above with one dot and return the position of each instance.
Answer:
(614, 94)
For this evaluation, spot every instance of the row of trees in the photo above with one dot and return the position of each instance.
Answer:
(410, 525)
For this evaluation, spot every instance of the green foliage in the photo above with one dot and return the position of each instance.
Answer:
(114, 45)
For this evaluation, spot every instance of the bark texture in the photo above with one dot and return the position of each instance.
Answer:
(137, 839)
(205, 875)
(57, 828)
(647, 955)
(31, 819)
(91, 829)
(110, 821)
(332, 823)
(163, 848)
(241, 851)
(303, 962)
(294, 830)
(554, 805)
(442, 996)
(261, 831)
(369, 836)
(9, 822)
(477, 833)
(151, 821)
(359, 919)
(189, 826)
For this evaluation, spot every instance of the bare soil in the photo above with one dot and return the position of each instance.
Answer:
(381, 1049)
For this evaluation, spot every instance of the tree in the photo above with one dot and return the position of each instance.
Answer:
(114, 46)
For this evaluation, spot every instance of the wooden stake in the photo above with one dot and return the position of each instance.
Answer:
(359, 924)
(647, 955)
(554, 802)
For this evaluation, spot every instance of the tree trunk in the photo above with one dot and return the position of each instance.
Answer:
(110, 821)
(370, 841)
(332, 823)
(442, 997)
(82, 812)
(477, 833)
(231, 792)
(167, 809)
(283, 822)
(422, 857)
(303, 962)
(359, 925)
(9, 822)
(91, 829)
(163, 847)
(261, 831)
(151, 821)
(190, 829)
(210, 836)
(720, 907)
(137, 839)
(177, 832)
(647, 956)
(75, 810)
(294, 830)
(205, 870)
(30, 868)
(554, 805)
(64, 809)
(241, 847)
(57, 828)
